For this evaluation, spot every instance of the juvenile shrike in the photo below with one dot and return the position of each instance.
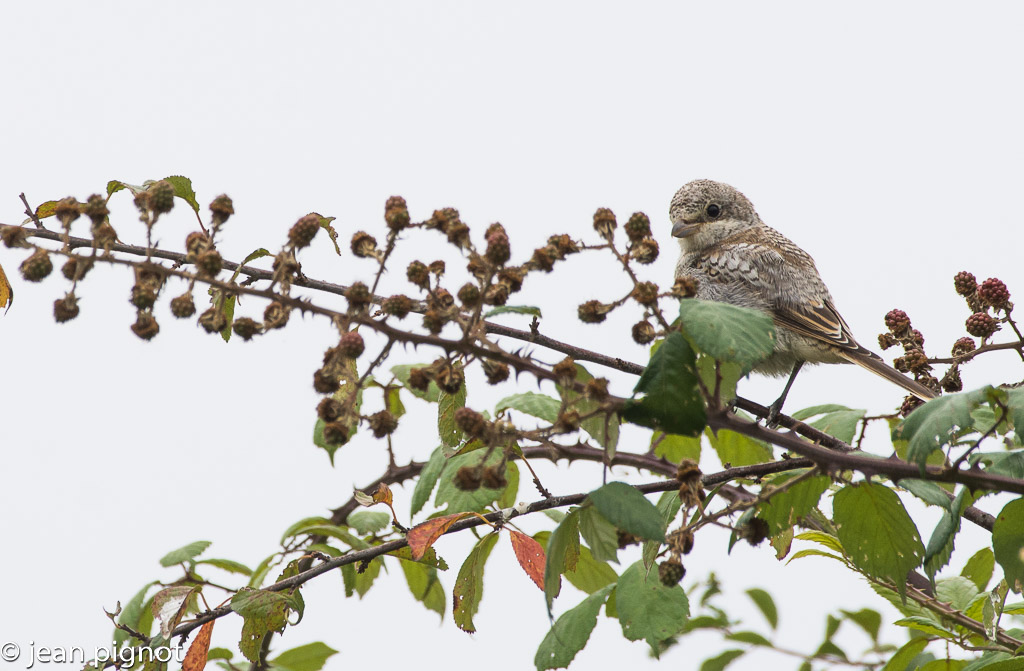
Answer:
(735, 258)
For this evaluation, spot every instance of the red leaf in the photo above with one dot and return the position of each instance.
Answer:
(530, 555)
(195, 658)
(422, 536)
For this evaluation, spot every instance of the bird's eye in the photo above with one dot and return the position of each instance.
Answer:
(713, 210)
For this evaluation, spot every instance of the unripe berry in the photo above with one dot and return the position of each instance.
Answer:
(13, 236)
(161, 197)
(898, 322)
(494, 478)
(951, 381)
(498, 249)
(382, 423)
(563, 244)
(96, 209)
(275, 315)
(397, 305)
(512, 278)
(638, 227)
(963, 346)
(419, 379)
(76, 266)
(324, 382)
(336, 433)
(670, 572)
(593, 312)
(468, 478)
(396, 213)
(221, 208)
(886, 340)
(434, 320)
(597, 388)
(645, 293)
(496, 294)
(965, 283)
(209, 262)
(495, 371)
(145, 326)
(329, 409)
(143, 296)
(352, 345)
(449, 378)
(471, 422)
(213, 320)
(565, 370)
(245, 328)
(67, 210)
(981, 325)
(183, 306)
(643, 332)
(418, 275)
(909, 403)
(458, 234)
(65, 309)
(544, 258)
(358, 296)
(364, 245)
(645, 251)
(469, 295)
(993, 292)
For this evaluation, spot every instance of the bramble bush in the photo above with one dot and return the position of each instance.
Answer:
(624, 545)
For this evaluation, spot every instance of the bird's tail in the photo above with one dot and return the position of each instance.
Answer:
(871, 362)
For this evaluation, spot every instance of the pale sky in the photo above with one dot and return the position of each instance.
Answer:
(884, 139)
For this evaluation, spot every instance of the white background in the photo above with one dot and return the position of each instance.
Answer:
(885, 139)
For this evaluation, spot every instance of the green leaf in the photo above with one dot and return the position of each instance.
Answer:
(325, 223)
(1010, 464)
(723, 660)
(841, 424)
(460, 500)
(815, 410)
(724, 374)
(469, 586)
(114, 185)
(675, 448)
(183, 554)
(927, 491)
(628, 510)
(348, 577)
(822, 538)
(932, 425)
(561, 554)
(1015, 406)
(309, 657)
(868, 620)
(447, 404)
(511, 492)
(183, 189)
(876, 531)
(668, 507)
(751, 637)
(538, 405)
(401, 373)
(728, 332)
(670, 402)
(570, 632)
(263, 612)
(901, 660)
(648, 610)
(227, 306)
(228, 565)
(979, 567)
(517, 309)
(736, 449)
(44, 210)
(956, 590)
(1008, 543)
(253, 255)
(298, 527)
(929, 627)
(590, 575)
(764, 602)
(364, 581)
(425, 585)
(428, 478)
(368, 522)
(601, 427)
(784, 509)
(131, 614)
(600, 534)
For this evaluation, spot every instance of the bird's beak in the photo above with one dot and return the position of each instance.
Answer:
(684, 229)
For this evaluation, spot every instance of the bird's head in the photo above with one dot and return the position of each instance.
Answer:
(703, 212)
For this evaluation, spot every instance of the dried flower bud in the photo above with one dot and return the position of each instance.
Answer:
(397, 305)
(981, 325)
(209, 262)
(494, 478)
(13, 236)
(965, 283)
(364, 245)
(358, 296)
(951, 381)
(325, 383)
(443, 218)
(638, 227)
(645, 251)
(680, 541)
(496, 294)
(245, 328)
(754, 531)
(417, 274)
(597, 388)
(512, 278)
(36, 267)
(145, 326)
(161, 197)
(685, 287)
(440, 299)
(916, 360)
(593, 312)
(96, 209)
(104, 235)
(336, 433)
(471, 422)
(645, 293)
(213, 320)
(434, 320)
(196, 243)
(643, 332)
(568, 421)
(886, 340)
(275, 316)
(909, 404)
(449, 378)
(604, 223)
(499, 250)
(963, 346)
(468, 478)
(304, 230)
(329, 409)
(458, 234)
(900, 364)
(396, 213)
(382, 423)
(436, 267)
(352, 345)
(418, 379)
(183, 306)
(477, 268)
(143, 296)
(917, 337)
(897, 322)
(67, 210)
(544, 258)
(993, 292)
(565, 370)
(496, 371)
(76, 267)
(221, 208)
(65, 309)
(564, 245)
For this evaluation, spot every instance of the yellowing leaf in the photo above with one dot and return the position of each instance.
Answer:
(195, 658)
(6, 291)
(169, 606)
(422, 536)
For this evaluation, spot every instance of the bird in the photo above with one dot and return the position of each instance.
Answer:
(735, 258)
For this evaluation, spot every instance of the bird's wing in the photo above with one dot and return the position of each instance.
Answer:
(817, 318)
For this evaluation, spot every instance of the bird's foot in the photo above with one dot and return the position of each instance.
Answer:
(774, 410)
